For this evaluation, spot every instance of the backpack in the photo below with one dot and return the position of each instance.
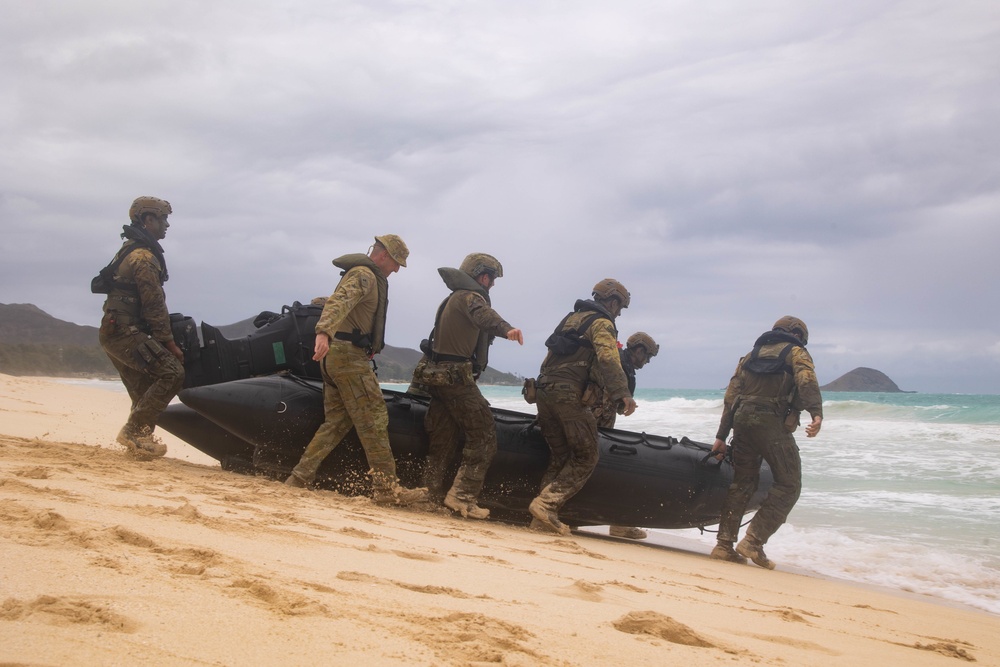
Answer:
(104, 281)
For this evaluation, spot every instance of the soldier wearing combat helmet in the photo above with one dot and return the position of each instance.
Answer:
(135, 329)
(639, 350)
(772, 385)
(350, 331)
(455, 354)
(582, 347)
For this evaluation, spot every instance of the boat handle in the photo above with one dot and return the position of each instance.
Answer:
(717, 464)
(623, 449)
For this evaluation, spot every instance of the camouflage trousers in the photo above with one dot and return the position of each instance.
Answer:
(760, 435)
(456, 410)
(351, 398)
(570, 431)
(151, 374)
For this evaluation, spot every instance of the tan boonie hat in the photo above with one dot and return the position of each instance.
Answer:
(395, 247)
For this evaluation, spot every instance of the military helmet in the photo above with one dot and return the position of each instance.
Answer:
(643, 340)
(395, 247)
(478, 263)
(608, 288)
(794, 326)
(144, 205)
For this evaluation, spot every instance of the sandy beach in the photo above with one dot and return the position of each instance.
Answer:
(105, 561)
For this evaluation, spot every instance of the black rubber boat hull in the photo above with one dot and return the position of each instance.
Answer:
(263, 424)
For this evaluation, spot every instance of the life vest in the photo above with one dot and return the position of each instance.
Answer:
(372, 341)
(458, 281)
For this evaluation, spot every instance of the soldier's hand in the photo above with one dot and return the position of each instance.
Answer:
(719, 448)
(174, 350)
(813, 428)
(515, 334)
(630, 405)
(321, 346)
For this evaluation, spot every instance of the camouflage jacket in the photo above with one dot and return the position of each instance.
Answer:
(789, 392)
(139, 295)
(600, 361)
(355, 304)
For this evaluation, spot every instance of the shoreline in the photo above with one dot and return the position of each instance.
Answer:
(657, 538)
(175, 561)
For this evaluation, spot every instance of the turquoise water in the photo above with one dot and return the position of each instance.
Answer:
(899, 490)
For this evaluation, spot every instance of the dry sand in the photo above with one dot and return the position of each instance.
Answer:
(107, 561)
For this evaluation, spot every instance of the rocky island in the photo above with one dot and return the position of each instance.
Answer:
(863, 379)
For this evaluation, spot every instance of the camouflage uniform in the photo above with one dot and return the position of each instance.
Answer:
(457, 405)
(763, 410)
(567, 423)
(134, 329)
(351, 393)
(605, 411)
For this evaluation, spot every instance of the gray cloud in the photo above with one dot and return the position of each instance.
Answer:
(729, 163)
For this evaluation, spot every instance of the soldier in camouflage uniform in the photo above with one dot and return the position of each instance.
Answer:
(455, 355)
(639, 350)
(772, 385)
(135, 329)
(350, 331)
(584, 339)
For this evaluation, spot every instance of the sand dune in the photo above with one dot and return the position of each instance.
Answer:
(105, 560)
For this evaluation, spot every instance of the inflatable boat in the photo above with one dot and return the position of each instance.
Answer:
(254, 402)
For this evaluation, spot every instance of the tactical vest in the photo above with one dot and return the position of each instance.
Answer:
(373, 340)
(461, 333)
(123, 295)
(769, 379)
(570, 355)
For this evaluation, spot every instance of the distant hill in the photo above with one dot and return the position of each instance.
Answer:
(863, 379)
(32, 342)
(25, 323)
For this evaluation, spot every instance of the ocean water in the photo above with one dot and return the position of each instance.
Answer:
(899, 490)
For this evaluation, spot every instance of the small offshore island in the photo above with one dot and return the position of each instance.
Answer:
(864, 379)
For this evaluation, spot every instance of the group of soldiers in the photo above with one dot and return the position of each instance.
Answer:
(586, 379)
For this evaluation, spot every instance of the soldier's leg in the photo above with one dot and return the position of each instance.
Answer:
(472, 412)
(131, 380)
(363, 401)
(336, 424)
(164, 378)
(555, 437)
(443, 436)
(746, 476)
(782, 455)
(581, 437)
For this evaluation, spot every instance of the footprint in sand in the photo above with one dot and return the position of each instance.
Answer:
(66, 611)
(662, 627)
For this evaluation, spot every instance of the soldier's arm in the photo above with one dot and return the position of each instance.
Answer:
(354, 286)
(729, 406)
(602, 335)
(152, 300)
(809, 396)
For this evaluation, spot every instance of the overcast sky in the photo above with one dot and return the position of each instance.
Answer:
(730, 162)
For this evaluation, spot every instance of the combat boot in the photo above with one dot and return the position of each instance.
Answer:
(141, 443)
(754, 550)
(546, 516)
(468, 510)
(725, 551)
(629, 532)
(295, 482)
(398, 495)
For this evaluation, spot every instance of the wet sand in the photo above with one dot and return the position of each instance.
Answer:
(106, 560)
